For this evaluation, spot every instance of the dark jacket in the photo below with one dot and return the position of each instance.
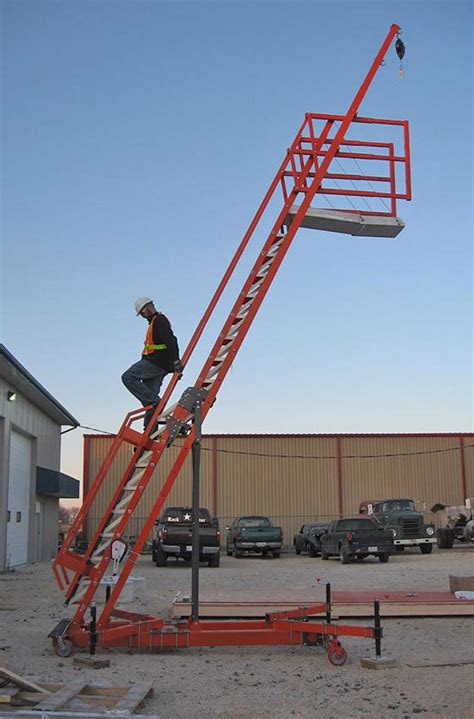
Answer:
(163, 334)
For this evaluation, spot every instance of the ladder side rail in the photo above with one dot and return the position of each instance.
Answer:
(116, 497)
(222, 285)
(264, 285)
(226, 363)
(90, 496)
(101, 567)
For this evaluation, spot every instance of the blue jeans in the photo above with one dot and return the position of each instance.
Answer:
(144, 379)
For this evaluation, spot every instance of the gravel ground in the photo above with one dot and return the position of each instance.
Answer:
(277, 682)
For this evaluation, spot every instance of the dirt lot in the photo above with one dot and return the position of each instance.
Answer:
(266, 681)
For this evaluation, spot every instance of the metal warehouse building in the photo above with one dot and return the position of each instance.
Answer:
(297, 478)
(30, 481)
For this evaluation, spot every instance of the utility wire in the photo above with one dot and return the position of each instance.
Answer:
(313, 456)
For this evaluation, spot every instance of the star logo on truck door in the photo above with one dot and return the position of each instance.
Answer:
(187, 517)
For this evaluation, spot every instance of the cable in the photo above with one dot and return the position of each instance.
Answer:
(335, 456)
(311, 456)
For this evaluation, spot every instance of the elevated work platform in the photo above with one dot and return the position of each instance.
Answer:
(348, 223)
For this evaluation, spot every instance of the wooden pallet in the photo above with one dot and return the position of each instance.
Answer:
(20, 697)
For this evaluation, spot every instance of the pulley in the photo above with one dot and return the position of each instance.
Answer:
(400, 50)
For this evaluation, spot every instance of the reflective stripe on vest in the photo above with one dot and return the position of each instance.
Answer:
(149, 347)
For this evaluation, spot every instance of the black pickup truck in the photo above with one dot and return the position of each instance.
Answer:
(356, 537)
(174, 536)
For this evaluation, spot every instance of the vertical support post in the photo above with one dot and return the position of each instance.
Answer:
(92, 630)
(196, 457)
(377, 630)
(340, 489)
(328, 603)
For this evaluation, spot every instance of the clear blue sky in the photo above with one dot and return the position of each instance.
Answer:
(139, 138)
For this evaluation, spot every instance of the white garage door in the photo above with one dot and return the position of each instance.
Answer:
(19, 479)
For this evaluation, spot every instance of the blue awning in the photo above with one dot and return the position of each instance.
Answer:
(52, 483)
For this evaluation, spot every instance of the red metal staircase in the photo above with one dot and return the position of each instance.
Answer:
(306, 175)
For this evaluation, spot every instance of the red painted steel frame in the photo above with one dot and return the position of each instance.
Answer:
(70, 568)
(294, 627)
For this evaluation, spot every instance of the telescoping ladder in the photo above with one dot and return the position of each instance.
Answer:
(313, 169)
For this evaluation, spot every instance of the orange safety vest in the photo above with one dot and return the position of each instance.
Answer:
(149, 347)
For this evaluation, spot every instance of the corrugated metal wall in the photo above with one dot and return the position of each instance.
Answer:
(297, 478)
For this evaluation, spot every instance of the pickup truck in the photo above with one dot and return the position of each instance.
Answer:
(174, 536)
(401, 516)
(356, 537)
(253, 534)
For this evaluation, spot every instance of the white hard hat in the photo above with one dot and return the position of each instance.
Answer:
(141, 303)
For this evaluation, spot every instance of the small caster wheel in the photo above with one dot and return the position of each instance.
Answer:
(63, 647)
(337, 655)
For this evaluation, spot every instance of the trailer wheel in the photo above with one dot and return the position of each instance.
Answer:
(63, 647)
(312, 551)
(337, 655)
(324, 555)
(384, 557)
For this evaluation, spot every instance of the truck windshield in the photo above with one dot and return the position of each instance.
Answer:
(254, 522)
(398, 505)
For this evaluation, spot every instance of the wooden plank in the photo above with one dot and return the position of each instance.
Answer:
(344, 604)
(61, 697)
(7, 694)
(134, 697)
(24, 698)
(104, 690)
(441, 662)
(29, 713)
(20, 681)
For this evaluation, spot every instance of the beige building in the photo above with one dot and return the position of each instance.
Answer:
(30, 453)
(296, 478)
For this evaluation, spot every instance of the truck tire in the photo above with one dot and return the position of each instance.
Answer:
(426, 548)
(215, 560)
(384, 557)
(324, 555)
(344, 556)
(160, 556)
(312, 552)
(229, 551)
(238, 554)
(276, 553)
(444, 538)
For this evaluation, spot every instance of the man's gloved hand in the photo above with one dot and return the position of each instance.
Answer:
(178, 367)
